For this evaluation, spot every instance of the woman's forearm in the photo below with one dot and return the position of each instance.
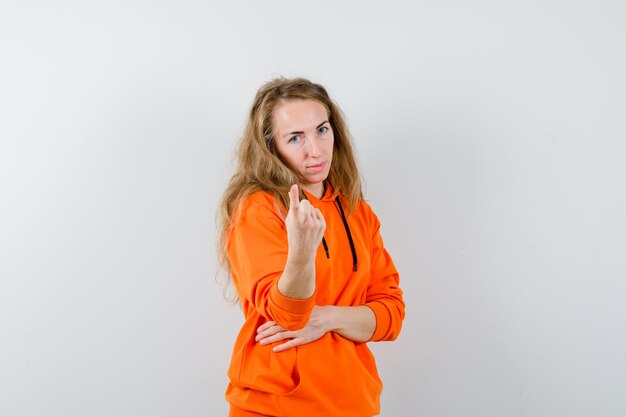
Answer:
(298, 278)
(355, 323)
(305, 230)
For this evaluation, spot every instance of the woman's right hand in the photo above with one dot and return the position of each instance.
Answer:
(305, 228)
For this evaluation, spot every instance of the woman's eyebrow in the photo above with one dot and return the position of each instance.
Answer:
(299, 132)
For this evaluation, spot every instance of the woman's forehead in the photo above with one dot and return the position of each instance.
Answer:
(299, 114)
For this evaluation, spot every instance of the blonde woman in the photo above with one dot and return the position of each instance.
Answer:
(307, 260)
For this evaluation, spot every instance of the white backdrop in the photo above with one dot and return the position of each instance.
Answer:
(491, 137)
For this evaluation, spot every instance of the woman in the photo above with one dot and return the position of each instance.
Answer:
(308, 263)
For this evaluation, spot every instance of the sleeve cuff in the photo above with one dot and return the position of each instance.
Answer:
(383, 320)
(290, 313)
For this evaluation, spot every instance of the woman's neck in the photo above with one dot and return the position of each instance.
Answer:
(316, 189)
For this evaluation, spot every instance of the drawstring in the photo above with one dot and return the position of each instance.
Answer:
(345, 224)
(347, 227)
(325, 247)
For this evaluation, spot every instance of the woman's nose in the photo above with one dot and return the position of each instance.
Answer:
(313, 148)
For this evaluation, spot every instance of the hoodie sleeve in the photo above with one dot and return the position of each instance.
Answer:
(384, 295)
(257, 251)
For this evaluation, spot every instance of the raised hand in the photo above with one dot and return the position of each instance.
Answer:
(305, 227)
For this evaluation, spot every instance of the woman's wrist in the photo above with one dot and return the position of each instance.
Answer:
(300, 260)
(329, 314)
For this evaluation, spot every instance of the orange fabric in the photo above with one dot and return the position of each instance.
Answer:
(329, 377)
(238, 412)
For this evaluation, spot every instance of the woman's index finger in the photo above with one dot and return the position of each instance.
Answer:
(294, 198)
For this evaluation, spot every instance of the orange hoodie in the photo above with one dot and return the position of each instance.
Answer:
(332, 376)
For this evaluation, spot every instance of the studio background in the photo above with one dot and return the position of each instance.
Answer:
(491, 138)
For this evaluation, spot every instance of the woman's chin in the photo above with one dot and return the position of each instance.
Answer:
(315, 179)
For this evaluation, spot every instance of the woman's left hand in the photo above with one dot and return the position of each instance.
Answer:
(316, 327)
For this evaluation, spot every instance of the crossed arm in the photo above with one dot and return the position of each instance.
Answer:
(355, 323)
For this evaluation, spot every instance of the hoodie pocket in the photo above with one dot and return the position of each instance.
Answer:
(337, 379)
(267, 371)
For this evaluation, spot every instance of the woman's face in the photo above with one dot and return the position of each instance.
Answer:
(304, 140)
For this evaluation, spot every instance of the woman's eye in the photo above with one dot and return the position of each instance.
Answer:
(294, 139)
(323, 129)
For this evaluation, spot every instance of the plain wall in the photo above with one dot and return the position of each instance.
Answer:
(491, 137)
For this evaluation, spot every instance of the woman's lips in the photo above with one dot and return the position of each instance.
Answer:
(317, 168)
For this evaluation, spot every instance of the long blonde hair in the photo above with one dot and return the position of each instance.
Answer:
(259, 166)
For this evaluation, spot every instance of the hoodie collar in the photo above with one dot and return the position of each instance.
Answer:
(329, 194)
